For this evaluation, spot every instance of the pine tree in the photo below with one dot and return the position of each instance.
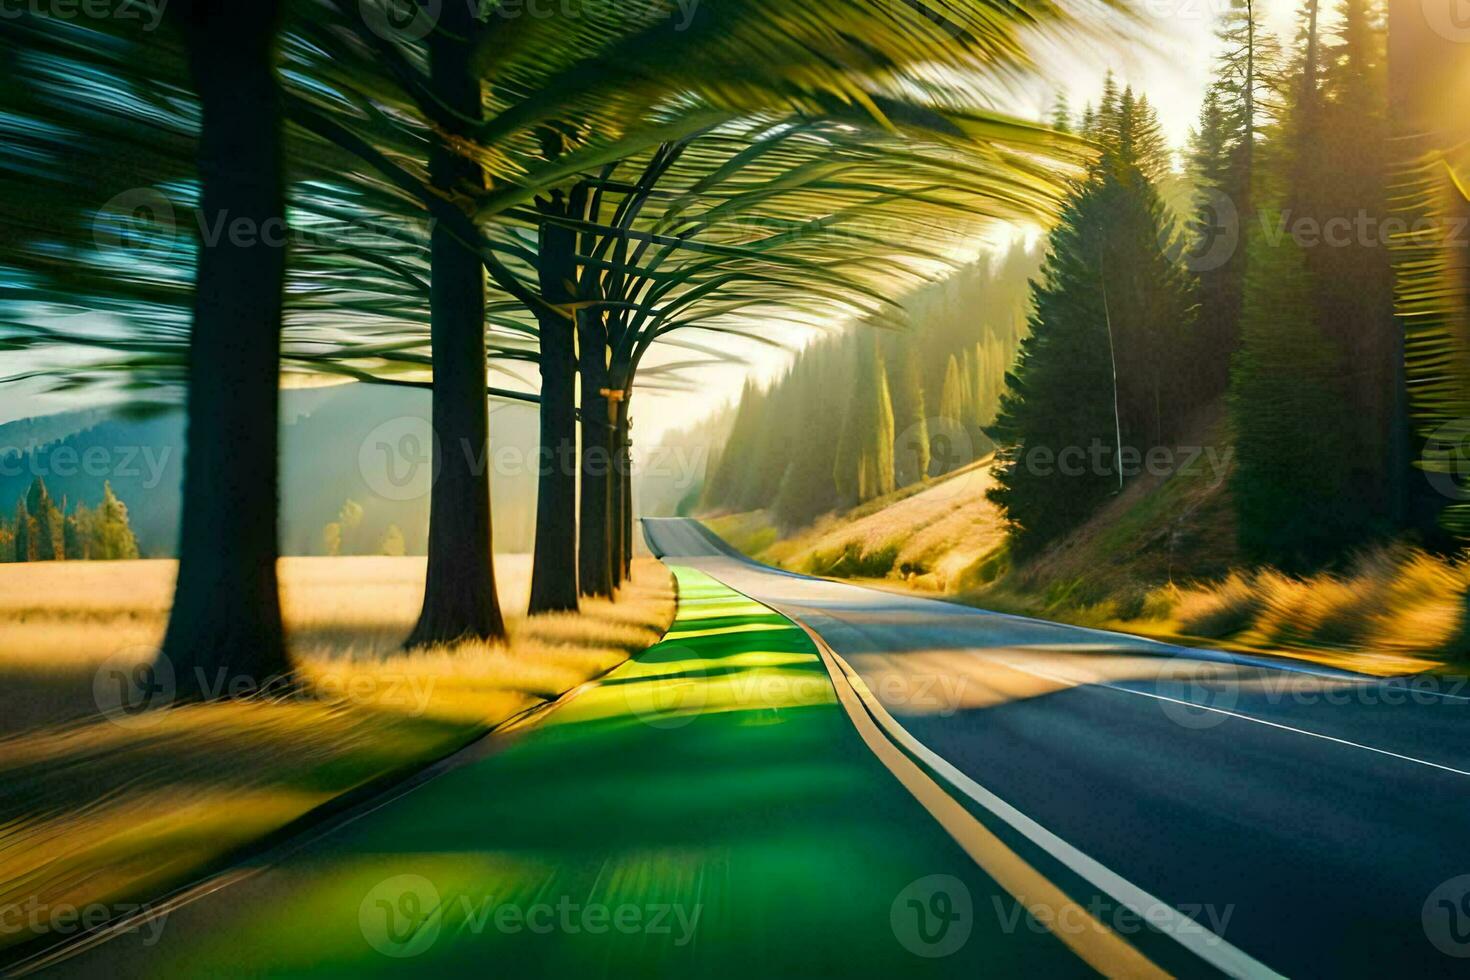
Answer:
(952, 397)
(723, 489)
(1288, 413)
(78, 533)
(910, 417)
(1215, 250)
(1224, 161)
(1354, 283)
(882, 480)
(1061, 114)
(1313, 389)
(47, 523)
(1108, 295)
(25, 533)
(863, 468)
(392, 543)
(113, 538)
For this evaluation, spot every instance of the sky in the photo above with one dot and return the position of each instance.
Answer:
(1170, 60)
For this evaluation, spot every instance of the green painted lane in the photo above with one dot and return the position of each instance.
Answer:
(705, 810)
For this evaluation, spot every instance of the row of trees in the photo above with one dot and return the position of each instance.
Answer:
(1278, 297)
(910, 404)
(47, 530)
(563, 192)
(347, 535)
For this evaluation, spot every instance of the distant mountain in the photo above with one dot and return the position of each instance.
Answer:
(365, 443)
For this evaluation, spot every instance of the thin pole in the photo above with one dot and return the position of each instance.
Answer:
(1112, 356)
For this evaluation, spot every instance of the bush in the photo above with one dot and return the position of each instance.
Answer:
(1222, 610)
(853, 562)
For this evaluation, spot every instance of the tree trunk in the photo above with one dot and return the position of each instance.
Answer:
(225, 636)
(596, 463)
(554, 571)
(460, 600)
(624, 513)
(615, 496)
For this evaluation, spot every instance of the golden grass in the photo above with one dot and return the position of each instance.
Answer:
(95, 812)
(1396, 609)
(925, 537)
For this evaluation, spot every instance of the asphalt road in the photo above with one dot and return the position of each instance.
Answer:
(1313, 820)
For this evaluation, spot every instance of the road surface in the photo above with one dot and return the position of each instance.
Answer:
(1315, 822)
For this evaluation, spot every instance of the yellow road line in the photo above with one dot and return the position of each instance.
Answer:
(1097, 945)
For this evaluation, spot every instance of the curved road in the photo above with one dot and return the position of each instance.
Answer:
(1313, 820)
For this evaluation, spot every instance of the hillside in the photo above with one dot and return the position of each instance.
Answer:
(926, 536)
(350, 442)
(1159, 560)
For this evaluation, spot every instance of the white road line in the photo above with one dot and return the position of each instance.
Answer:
(1207, 945)
(1074, 682)
(1288, 728)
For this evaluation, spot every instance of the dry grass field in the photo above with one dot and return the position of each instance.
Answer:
(926, 537)
(102, 809)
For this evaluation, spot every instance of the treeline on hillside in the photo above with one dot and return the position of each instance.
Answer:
(347, 535)
(1277, 296)
(47, 530)
(869, 410)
